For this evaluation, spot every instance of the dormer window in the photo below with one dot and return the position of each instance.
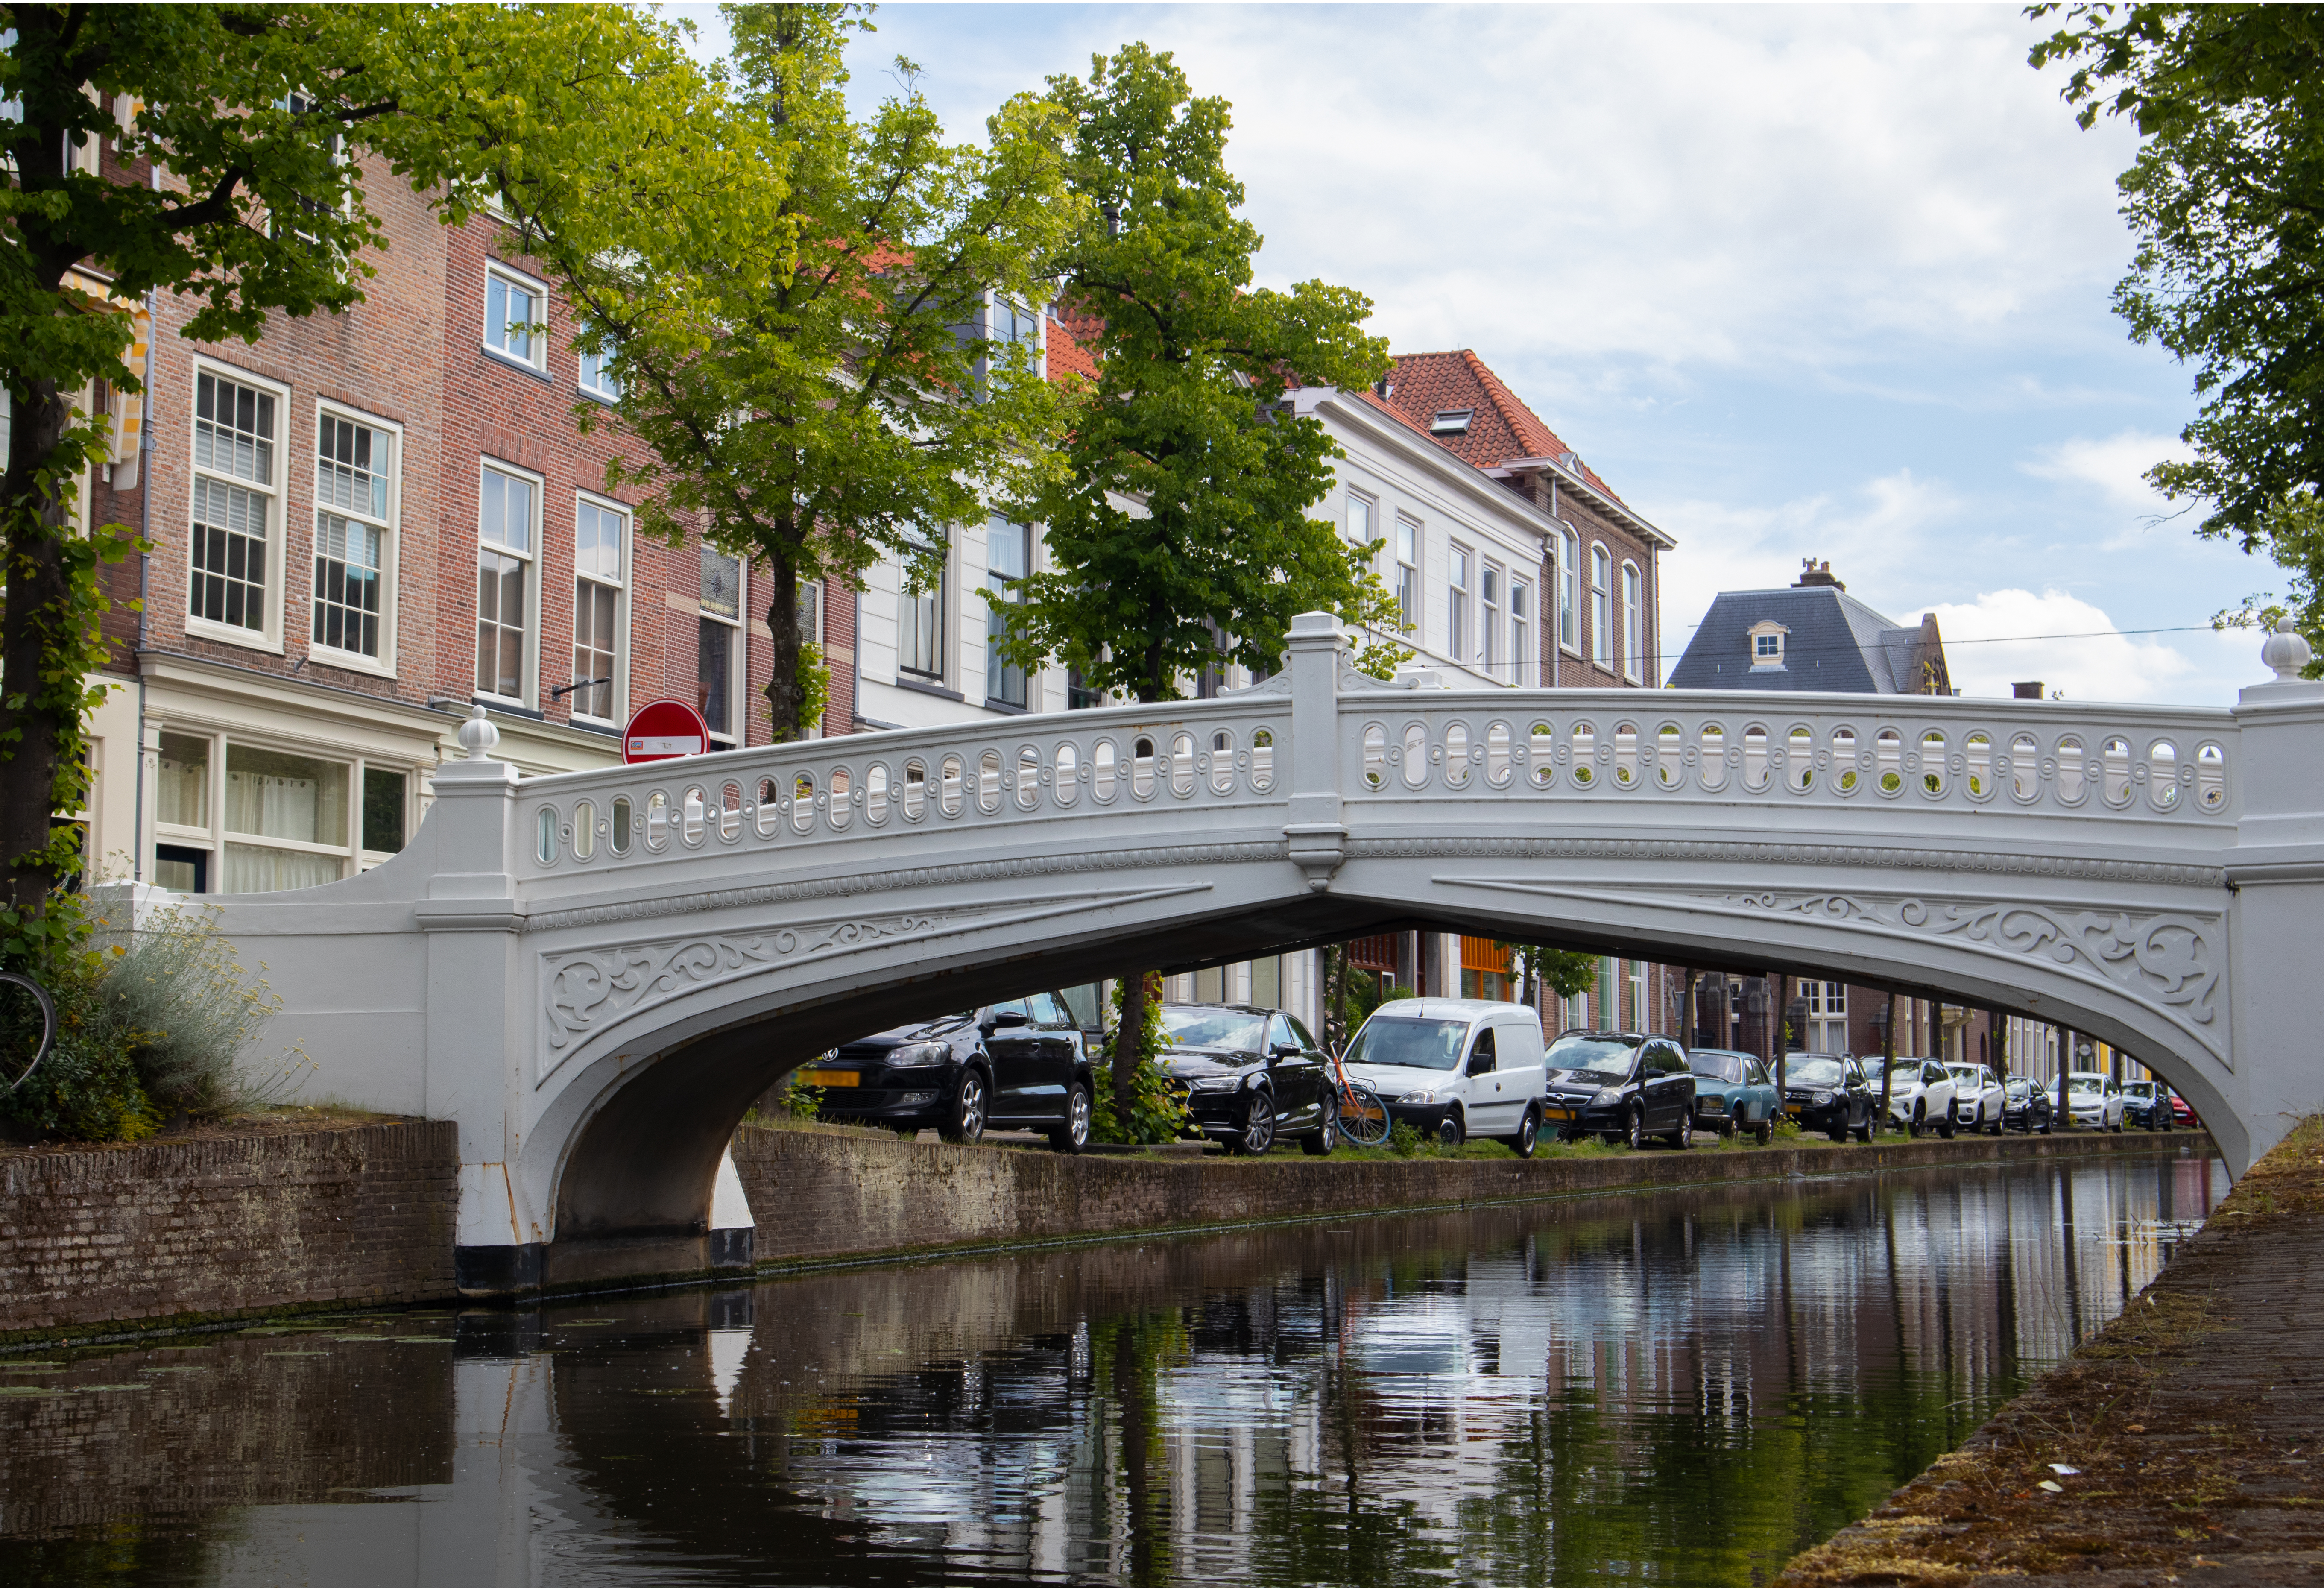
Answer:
(1451, 421)
(1768, 645)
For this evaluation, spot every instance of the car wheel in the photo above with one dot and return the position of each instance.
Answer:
(1727, 1129)
(1451, 1129)
(1864, 1132)
(1683, 1137)
(1528, 1136)
(1326, 1136)
(963, 1120)
(1072, 1132)
(1995, 1129)
(1634, 1131)
(1767, 1130)
(1918, 1122)
(2118, 1125)
(1946, 1125)
(1838, 1133)
(1257, 1132)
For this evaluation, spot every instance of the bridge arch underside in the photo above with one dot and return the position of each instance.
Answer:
(647, 1089)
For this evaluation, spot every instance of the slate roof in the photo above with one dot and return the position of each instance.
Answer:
(1835, 645)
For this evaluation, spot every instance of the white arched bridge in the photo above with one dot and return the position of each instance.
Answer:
(596, 975)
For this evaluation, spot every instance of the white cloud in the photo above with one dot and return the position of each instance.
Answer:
(2115, 467)
(2006, 636)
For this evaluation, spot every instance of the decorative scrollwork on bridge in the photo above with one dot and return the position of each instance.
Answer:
(2168, 959)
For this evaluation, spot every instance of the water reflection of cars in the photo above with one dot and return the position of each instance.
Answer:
(1828, 1092)
(1621, 1084)
(2026, 1107)
(1921, 1095)
(1979, 1098)
(1250, 1075)
(1454, 1068)
(2147, 1105)
(2093, 1098)
(1019, 1062)
(1732, 1092)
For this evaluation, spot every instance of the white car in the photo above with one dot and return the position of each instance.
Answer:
(1979, 1099)
(1455, 1068)
(1921, 1096)
(2093, 1099)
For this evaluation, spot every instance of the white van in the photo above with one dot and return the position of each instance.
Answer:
(1455, 1068)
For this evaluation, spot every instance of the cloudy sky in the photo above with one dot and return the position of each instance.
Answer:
(1829, 282)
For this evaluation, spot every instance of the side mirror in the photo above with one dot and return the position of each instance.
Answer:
(1004, 1017)
(1283, 1050)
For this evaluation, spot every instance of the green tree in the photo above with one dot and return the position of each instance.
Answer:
(2227, 201)
(794, 306)
(1178, 534)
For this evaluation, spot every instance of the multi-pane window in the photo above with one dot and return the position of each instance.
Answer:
(1014, 325)
(506, 519)
(920, 608)
(1458, 644)
(1634, 623)
(720, 653)
(1827, 1029)
(599, 532)
(353, 469)
(516, 318)
(1569, 598)
(234, 502)
(1766, 648)
(1641, 1016)
(1360, 519)
(597, 377)
(1008, 558)
(273, 817)
(1407, 571)
(1601, 625)
(1491, 582)
(1521, 663)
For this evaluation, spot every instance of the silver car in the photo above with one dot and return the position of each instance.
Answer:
(1920, 1095)
(2093, 1099)
(1979, 1099)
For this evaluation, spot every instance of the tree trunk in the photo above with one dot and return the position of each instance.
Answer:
(33, 726)
(1888, 1058)
(1137, 987)
(784, 698)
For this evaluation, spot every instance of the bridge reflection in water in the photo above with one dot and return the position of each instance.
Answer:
(1683, 1387)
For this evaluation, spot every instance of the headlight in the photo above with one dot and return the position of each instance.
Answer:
(1426, 1094)
(1607, 1097)
(1818, 1099)
(916, 1054)
(1215, 1083)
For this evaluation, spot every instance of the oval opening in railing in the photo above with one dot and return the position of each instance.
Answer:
(2072, 782)
(1262, 760)
(1374, 755)
(695, 808)
(1584, 741)
(1456, 755)
(1541, 754)
(544, 836)
(2210, 775)
(1415, 755)
(1028, 778)
(621, 819)
(1845, 777)
(1496, 754)
(1755, 769)
(1182, 764)
(1977, 753)
(952, 793)
(585, 831)
(656, 820)
(875, 793)
(1222, 768)
(1142, 768)
(1712, 742)
(730, 812)
(1932, 763)
(803, 802)
(2113, 770)
(1105, 773)
(1888, 762)
(915, 792)
(988, 782)
(2025, 770)
(2162, 775)
(1799, 759)
(1626, 755)
(1670, 755)
(766, 819)
(1065, 775)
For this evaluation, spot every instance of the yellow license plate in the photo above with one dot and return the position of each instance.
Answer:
(830, 1078)
(1795, 1109)
(1555, 1114)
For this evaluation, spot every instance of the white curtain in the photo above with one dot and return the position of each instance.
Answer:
(251, 870)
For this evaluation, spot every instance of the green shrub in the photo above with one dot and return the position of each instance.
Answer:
(1403, 1140)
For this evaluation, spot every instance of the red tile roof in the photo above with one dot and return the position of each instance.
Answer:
(1069, 353)
(1501, 429)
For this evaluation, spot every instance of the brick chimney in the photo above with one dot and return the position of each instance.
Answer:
(2027, 691)
(1814, 573)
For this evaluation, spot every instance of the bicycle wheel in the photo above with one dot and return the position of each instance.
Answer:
(28, 1028)
(1363, 1117)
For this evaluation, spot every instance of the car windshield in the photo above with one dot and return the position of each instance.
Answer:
(1601, 1056)
(1418, 1045)
(1960, 1072)
(2089, 1085)
(1814, 1069)
(1214, 1027)
(2139, 1088)
(1907, 1069)
(1716, 1066)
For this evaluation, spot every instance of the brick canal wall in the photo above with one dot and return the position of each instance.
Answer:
(182, 1231)
(821, 1194)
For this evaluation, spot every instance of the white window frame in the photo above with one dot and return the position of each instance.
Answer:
(1634, 623)
(738, 654)
(1601, 605)
(1765, 629)
(213, 835)
(941, 539)
(1358, 502)
(268, 636)
(530, 698)
(1521, 635)
(391, 541)
(1460, 562)
(537, 343)
(620, 585)
(994, 598)
(1407, 560)
(1569, 591)
(1492, 592)
(592, 374)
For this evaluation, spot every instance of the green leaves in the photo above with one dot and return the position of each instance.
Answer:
(1178, 533)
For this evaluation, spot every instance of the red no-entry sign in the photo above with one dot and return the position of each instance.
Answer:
(664, 730)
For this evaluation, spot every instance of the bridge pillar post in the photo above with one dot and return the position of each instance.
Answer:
(470, 917)
(2275, 923)
(1317, 838)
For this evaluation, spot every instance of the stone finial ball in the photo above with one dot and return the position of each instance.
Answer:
(477, 735)
(2286, 651)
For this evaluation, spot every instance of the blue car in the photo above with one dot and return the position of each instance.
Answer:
(1732, 1092)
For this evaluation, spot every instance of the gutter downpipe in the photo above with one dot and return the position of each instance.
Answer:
(145, 575)
(1556, 594)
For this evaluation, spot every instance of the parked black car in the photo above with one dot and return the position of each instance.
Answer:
(1249, 1075)
(1828, 1092)
(1621, 1084)
(2026, 1107)
(1018, 1063)
(2147, 1105)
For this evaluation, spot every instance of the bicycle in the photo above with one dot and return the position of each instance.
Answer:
(12, 1077)
(1363, 1117)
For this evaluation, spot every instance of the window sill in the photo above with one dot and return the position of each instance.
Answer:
(1007, 708)
(607, 398)
(507, 707)
(248, 639)
(906, 682)
(594, 726)
(511, 361)
(349, 662)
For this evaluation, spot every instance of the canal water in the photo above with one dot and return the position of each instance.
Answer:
(1679, 1387)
